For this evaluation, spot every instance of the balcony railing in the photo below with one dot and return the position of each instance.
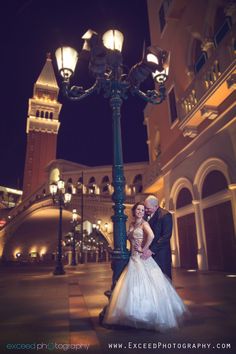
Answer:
(217, 69)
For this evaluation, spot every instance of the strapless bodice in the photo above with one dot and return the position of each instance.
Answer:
(137, 239)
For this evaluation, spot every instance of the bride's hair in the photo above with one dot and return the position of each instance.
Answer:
(135, 207)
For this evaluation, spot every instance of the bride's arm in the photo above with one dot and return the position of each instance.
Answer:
(149, 235)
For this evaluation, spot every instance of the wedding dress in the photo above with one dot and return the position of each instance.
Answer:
(143, 296)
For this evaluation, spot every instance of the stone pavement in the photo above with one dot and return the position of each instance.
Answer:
(42, 313)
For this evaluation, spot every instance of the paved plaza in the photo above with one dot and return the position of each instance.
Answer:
(42, 313)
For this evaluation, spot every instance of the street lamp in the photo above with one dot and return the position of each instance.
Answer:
(60, 197)
(105, 63)
(74, 223)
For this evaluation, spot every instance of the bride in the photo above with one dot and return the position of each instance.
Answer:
(143, 296)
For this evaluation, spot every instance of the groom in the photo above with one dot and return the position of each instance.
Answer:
(160, 221)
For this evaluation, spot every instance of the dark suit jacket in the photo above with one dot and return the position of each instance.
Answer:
(161, 225)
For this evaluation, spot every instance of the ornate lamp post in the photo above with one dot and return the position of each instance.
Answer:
(105, 63)
(74, 223)
(60, 197)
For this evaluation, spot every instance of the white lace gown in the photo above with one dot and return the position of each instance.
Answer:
(143, 296)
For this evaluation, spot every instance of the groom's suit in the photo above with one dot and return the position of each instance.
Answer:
(161, 225)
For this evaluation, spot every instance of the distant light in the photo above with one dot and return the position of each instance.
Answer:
(2, 223)
(33, 249)
(17, 253)
(231, 275)
(14, 191)
(43, 251)
(191, 270)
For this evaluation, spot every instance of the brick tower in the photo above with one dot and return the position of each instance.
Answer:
(42, 128)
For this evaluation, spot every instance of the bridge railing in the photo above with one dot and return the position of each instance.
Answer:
(76, 202)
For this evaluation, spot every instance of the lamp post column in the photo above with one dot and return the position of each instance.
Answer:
(59, 270)
(120, 254)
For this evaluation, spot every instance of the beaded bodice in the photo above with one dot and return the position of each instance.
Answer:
(137, 239)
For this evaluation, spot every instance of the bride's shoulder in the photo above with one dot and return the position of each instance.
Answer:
(145, 223)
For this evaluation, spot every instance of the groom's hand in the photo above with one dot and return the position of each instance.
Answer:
(146, 254)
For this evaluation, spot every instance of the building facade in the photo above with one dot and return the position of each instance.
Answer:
(192, 135)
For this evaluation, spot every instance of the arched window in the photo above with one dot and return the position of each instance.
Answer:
(46, 115)
(214, 182)
(69, 185)
(92, 180)
(138, 183)
(92, 185)
(42, 114)
(184, 198)
(222, 25)
(51, 115)
(80, 185)
(105, 184)
(37, 113)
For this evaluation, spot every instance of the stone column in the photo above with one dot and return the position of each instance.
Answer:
(202, 254)
(85, 253)
(174, 244)
(69, 253)
(107, 256)
(232, 189)
(77, 256)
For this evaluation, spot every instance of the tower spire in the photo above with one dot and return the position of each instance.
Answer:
(42, 128)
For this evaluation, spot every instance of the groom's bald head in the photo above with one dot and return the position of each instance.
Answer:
(151, 204)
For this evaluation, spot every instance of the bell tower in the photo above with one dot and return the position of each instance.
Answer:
(42, 128)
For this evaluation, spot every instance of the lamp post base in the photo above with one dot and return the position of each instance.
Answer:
(59, 270)
(117, 266)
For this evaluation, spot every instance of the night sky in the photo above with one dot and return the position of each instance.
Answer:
(29, 30)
